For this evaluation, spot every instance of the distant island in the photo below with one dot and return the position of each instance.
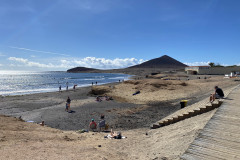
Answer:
(163, 63)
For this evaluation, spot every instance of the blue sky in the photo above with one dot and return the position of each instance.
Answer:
(61, 34)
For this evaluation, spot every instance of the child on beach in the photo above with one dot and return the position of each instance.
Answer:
(68, 104)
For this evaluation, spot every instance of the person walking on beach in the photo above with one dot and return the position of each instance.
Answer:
(96, 83)
(217, 95)
(74, 87)
(68, 104)
(67, 86)
(60, 88)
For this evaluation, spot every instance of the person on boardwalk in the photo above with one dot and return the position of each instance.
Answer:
(217, 95)
(68, 104)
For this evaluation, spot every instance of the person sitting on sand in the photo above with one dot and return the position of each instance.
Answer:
(68, 104)
(217, 95)
(93, 125)
(108, 98)
(98, 99)
(101, 123)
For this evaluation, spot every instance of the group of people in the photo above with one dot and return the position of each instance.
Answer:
(107, 98)
(95, 83)
(101, 125)
(60, 87)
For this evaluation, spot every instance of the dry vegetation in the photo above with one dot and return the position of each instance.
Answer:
(155, 89)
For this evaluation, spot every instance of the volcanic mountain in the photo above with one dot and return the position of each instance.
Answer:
(161, 62)
(164, 63)
(82, 69)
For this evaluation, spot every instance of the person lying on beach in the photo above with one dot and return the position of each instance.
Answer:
(114, 135)
(218, 94)
(107, 98)
(93, 125)
(42, 123)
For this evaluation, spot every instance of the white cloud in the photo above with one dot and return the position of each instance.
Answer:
(91, 62)
(197, 63)
(1, 65)
(18, 59)
(102, 63)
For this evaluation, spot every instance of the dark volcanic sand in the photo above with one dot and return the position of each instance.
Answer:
(50, 107)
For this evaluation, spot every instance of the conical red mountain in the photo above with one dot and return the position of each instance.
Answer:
(161, 62)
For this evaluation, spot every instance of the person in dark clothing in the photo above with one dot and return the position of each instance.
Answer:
(217, 95)
(68, 104)
(101, 123)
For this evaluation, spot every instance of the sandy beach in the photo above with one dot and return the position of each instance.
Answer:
(128, 113)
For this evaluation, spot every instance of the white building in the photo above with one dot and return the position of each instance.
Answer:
(212, 70)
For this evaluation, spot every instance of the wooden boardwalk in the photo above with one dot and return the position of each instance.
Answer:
(220, 138)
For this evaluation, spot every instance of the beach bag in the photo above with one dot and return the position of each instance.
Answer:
(106, 126)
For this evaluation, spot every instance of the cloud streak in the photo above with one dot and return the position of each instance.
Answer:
(32, 50)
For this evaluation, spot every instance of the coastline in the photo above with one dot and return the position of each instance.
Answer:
(55, 87)
(132, 115)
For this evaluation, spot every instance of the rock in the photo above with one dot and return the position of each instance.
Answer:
(99, 145)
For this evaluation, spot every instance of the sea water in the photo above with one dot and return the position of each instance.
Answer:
(26, 82)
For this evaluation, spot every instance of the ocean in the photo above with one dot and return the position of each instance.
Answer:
(26, 82)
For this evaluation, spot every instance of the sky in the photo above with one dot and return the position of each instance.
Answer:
(56, 35)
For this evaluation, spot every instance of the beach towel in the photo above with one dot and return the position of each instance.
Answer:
(136, 93)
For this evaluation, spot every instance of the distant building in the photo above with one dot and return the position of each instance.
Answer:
(212, 70)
